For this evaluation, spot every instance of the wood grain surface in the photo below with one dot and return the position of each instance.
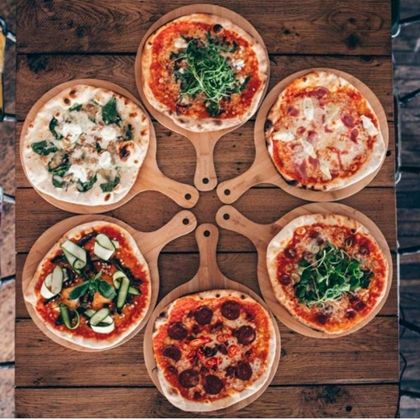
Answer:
(58, 41)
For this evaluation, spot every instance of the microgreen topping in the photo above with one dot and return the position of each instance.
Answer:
(202, 68)
(332, 274)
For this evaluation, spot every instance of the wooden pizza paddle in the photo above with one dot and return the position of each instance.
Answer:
(263, 171)
(150, 177)
(150, 244)
(261, 234)
(205, 178)
(208, 277)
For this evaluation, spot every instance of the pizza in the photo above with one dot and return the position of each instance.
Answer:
(323, 134)
(204, 72)
(86, 145)
(328, 271)
(213, 349)
(93, 287)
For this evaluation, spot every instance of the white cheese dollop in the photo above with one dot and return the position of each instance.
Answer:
(71, 131)
(323, 166)
(105, 160)
(283, 136)
(369, 126)
(108, 134)
(79, 172)
(180, 43)
(308, 109)
(308, 148)
(238, 64)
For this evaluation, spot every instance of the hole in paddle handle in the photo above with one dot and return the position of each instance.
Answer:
(227, 191)
(226, 216)
(186, 221)
(206, 180)
(187, 196)
(206, 233)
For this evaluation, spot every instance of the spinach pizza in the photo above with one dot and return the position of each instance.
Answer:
(85, 145)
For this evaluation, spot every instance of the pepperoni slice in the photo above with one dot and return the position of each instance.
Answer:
(212, 384)
(243, 371)
(173, 352)
(348, 120)
(177, 331)
(245, 334)
(231, 309)
(188, 378)
(203, 315)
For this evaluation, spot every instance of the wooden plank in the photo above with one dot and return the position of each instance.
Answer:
(308, 26)
(237, 266)
(262, 205)
(7, 392)
(305, 401)
(304, 360)
(234, 154)
(38, 73)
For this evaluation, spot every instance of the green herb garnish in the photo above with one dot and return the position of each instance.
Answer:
(332, 274)
(53, 126)
(43, 148)
(86, 186)
(92, 286)
(109, 112)
(110, 185)
(201, 68)
(59, 168)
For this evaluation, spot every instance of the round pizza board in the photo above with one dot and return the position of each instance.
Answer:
(263, 170)
(205, 178)
(150, 177)
(261, 234)
(150, 244)
(208, 277)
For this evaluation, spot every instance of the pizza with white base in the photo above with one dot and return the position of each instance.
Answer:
(85, 145)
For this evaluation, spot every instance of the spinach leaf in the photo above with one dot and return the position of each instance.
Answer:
(128, 134)
(109, 112)
(59, 168)
(53, 126)
(86, 186)
(79, 290)
(57, 181)
(110, 185)
(43, 148)
(75, 107)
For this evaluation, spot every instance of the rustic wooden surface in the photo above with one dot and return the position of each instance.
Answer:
(353, 376)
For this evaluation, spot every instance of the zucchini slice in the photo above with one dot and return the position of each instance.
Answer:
(99, 316)
(45, 288)
(117, 278)
(104, 247)
(89, 313)
(104, 327)
(53, 283)
(75, 254)
(68, 322)
(133, 291)
(123, 292)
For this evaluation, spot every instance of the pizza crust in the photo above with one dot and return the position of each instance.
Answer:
(184, 404)
(38, 129)
(32, 297)
(207, 124)
(332, 82)
(280, 242)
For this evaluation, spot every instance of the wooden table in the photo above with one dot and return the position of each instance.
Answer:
(61, 40)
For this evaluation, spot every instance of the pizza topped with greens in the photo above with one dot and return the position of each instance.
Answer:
(204, 72)
(93, 287)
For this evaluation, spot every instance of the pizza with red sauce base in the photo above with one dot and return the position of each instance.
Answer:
(328, 271)
(323, 134)
(204, 72)
(213, 349)
(93, 287)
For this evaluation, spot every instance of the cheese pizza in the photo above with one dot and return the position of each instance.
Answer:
(328, 271)
(323, 134)
(204, 72)
(213, 349)
(93, 287)
(86, 145)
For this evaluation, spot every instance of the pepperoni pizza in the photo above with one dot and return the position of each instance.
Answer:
(213, 349)
(204, 72)
(323, 134)
(328, 271)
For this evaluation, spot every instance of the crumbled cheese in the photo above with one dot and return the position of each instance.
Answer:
(283, 136)
(323, 166)
(108, 134)
(238, 64)
(308, 148)
(71, 131)
(180, 43)
(369, 126)
(308, 109)
(105, 160)
(79, 172)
